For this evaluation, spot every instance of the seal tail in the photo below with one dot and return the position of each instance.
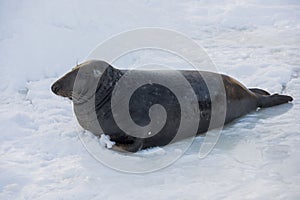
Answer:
(273, 100)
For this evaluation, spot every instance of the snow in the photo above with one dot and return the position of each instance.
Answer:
(105, 141)
(42, 155)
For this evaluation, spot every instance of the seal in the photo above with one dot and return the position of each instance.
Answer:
(91, 85)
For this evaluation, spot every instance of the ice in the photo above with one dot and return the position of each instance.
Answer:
(42, 155)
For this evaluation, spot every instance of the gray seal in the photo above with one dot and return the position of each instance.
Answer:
(97, 80)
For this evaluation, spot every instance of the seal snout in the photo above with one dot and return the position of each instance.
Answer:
(60, 89)
(55, 88)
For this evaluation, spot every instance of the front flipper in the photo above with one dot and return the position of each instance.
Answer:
(129, 148)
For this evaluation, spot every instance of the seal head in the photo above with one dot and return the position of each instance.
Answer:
(80, 84)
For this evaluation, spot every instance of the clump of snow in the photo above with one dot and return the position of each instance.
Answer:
(105, 141)
(42, 157)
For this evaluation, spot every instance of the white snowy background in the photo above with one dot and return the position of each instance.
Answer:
(41, 155)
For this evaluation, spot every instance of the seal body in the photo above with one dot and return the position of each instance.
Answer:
(91, 87)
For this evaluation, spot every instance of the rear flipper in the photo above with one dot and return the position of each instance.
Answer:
(273, 100)
(259, 91)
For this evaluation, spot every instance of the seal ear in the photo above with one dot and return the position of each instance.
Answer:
(97, 73)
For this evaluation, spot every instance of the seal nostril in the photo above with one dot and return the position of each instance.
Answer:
(55, 87)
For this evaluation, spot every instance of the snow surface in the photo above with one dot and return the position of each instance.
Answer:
(42, 157)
